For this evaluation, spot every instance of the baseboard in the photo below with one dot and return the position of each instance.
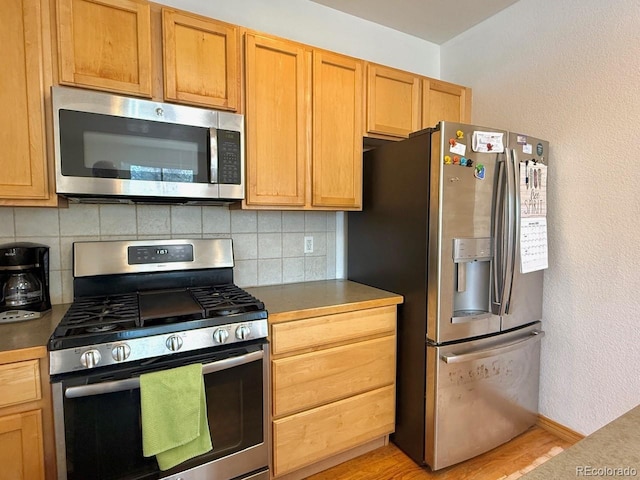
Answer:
(558, 429)
(335, 460)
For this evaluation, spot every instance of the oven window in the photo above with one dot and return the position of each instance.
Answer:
(105, 146)
(104, 437)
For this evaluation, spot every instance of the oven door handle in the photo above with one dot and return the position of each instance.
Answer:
(134, 383)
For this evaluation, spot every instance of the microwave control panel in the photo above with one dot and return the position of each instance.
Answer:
(229, 157)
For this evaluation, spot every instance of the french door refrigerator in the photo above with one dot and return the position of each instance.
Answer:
(454, 219)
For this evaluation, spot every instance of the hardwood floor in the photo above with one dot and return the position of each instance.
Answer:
(390, 463)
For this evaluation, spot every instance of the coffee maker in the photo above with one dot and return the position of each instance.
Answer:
(24, 281)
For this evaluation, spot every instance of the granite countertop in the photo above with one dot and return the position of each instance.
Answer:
(611, 452)
(284, 302)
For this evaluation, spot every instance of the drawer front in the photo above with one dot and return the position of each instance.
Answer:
(19, 382)
(305, 381)
(307, 437)
(328, 329)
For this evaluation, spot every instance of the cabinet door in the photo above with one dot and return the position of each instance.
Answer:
(200, 61)
(310, 436)
(277, 120)
(337, 131)
(23, 163)
(393, 101)
(444, 101)
(105, 44)
(304, 381)
(21, 454)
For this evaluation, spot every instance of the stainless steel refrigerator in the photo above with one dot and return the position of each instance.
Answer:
(454, 219)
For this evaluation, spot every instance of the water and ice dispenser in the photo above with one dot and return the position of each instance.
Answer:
(471, 293)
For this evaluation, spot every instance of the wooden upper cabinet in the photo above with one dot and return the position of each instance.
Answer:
(444, 101)
(393, 101)
(106, 45)
(337, 131)
(24, 90)
(278, 121)
(201, 61)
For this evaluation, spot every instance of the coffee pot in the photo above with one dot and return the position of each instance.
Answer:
(24, 281)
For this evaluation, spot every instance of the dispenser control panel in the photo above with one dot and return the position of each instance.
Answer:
(469, 249)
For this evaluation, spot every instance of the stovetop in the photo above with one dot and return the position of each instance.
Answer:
(152, 303)
(110, 318)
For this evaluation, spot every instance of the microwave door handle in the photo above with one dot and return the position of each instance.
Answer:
(134, 383)
(213, 149)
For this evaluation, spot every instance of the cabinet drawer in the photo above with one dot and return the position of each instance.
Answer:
(19, 382)
(304, 381)
(307, 437)
(328, 329)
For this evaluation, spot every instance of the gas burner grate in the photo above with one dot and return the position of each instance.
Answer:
(102, 314)
(223, 300)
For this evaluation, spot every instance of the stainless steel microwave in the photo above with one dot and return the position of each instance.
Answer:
(110, 148)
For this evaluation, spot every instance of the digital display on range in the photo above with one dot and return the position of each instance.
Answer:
(145, 254)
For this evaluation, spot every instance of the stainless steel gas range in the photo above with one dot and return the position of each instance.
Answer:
(147, 306)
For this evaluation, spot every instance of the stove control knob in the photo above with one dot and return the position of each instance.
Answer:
(174, 343)
(243, 332)
(220, 335)
(90, 358)
(121, 352)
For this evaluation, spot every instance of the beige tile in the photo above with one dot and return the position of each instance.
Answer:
(55, 287)
(216, 220)
(293, 270)
(244, 221)
(7, 225)
(117, 220)
(245, 246)
(293, 221)
(315, 222)
(315, 268)
(245, 273)
(269, 245)
(153, 219)
(80, 219)
(186, 221)
(292, 244)
(67, 286)
(331, 255)
(269, 222)
(270, 271)
(37, 222)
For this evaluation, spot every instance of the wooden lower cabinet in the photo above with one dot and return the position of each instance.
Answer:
(306, 437)
(21, 454)
(333, 386)
(26, 426)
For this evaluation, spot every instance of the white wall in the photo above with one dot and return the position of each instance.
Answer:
(569, 72)
(319, 26)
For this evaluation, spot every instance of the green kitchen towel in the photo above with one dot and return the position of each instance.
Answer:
(174, 415)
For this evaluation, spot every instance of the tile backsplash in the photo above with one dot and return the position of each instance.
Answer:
(268, 245)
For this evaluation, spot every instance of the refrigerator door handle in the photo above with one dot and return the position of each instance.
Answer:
(498, 235)
(510, 232)
(535, 336)
(515, 223)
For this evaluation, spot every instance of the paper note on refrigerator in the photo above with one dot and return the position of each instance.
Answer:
(533, 189)
(533, 217)
(487, 142)
(533, 244)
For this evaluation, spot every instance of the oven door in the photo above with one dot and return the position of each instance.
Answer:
(98, 424)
